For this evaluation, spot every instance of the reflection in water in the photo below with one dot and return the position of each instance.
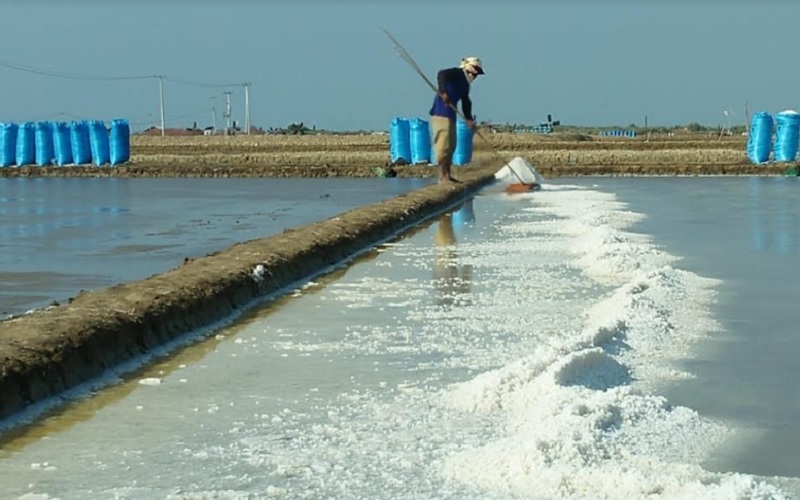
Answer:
(46, 207)
(774, 222)
(453, 279)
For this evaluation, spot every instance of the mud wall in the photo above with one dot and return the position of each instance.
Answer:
(47, 352)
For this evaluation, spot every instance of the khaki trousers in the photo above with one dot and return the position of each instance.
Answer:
(444, 139)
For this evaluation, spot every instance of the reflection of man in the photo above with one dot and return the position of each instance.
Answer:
(452, 279)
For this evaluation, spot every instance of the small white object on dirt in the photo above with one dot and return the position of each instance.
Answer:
(259, 273)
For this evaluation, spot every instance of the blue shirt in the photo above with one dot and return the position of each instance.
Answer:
(454, 82)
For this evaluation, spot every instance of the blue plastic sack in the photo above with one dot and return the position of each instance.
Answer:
(119, 141)
(400, 140)
(79, 139)
(759, 142)
(26, 144)
(786, 136)
(420, 139)
(464, 137)
(44, 143)
(62, 144)
(8, 144)
(98, 141)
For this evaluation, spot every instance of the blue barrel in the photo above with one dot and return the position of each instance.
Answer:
(44, 143)
(400, 140)
(464, 136)
(119, 141)
(786, 135)
(62, 144)
(8, 144)
(98, 141)
(79, 140)
(420, 133)
(759, 142)
(26, 144)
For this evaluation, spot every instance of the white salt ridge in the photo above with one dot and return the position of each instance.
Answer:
(578, 421)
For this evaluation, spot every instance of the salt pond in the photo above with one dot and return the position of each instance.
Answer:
(520, 347)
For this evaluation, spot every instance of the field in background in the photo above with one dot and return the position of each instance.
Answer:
(365, 155)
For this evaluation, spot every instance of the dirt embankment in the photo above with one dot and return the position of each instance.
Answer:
(367, 155)
(52, 350)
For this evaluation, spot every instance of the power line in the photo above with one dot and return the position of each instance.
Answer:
(71, 76)
(161, 78)
(206, 85)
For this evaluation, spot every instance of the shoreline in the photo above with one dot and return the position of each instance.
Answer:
(372, 171)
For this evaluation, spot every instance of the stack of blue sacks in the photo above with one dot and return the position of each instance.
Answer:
(81, 142)
(410, 142)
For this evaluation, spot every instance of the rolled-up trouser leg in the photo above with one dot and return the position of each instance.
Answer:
(444, 142)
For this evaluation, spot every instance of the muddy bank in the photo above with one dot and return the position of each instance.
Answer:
(661, 170)
(366, 155)
(211, 170)
(47, 352)
(565, 168)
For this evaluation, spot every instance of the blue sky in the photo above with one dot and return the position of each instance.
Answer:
(327, 63)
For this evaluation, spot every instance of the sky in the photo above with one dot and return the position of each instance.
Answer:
(328, 64)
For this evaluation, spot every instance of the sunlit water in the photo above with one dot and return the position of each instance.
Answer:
(522, 347)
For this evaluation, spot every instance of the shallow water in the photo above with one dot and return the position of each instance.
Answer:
(59, 236)
(533, 346)
(746, 232)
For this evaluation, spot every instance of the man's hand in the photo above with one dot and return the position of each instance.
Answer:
(445, 98)
(472, 125)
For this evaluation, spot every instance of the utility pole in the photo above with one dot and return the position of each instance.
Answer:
(746, 119)
(227, 113)
(247, 107)
(161, 92)
(213, 114)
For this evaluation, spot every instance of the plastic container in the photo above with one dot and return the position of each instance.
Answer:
(759, 142)
(8, 144)
(420, 133)
(119, 141)
(464, 139)
(400, 140)
(81, 146)
(98, 142)
(62, 144)
(786, 136)
(45, 153)
(26, 144)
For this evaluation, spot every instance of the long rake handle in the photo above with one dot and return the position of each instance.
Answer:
(410, 60)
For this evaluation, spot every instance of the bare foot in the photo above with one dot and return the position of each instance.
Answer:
(448, 180)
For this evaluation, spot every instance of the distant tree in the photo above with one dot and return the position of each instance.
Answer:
(695, 127)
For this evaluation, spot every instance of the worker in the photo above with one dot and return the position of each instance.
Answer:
(453, 86)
